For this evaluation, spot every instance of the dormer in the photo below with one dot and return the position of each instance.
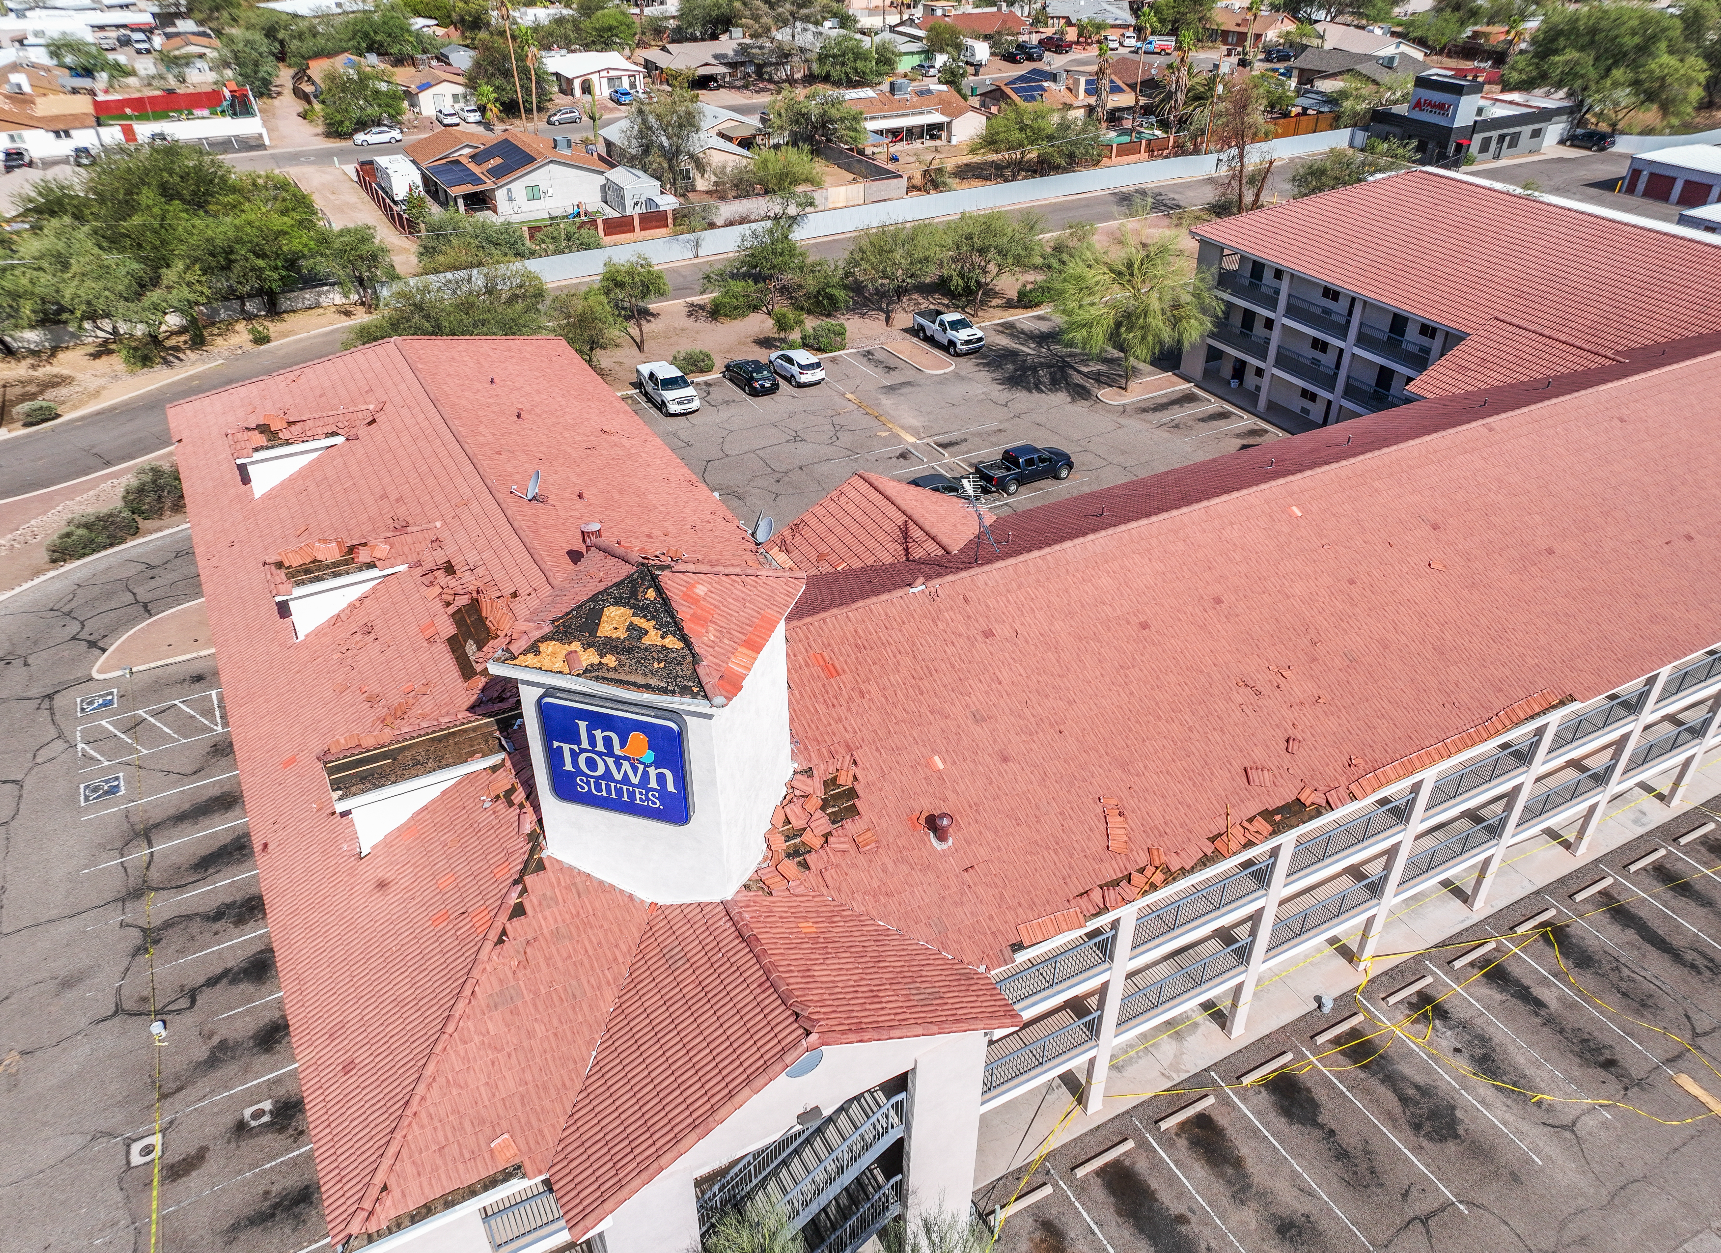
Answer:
(318, 579)
(276, 447)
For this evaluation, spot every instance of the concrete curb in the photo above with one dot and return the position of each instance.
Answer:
(96, 671)
(901, 356)
(94, 474)
(106, 552)
(1106, 394)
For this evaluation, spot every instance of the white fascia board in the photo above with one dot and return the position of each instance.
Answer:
(383, 811)
(315, 603)
(271, 466)
(447, 774)
(406, 1235)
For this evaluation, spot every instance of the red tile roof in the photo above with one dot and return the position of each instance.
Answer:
(1441, 564)
(1483, 252)
(1501, 349)
(982, 24)
(871, 520)
(386, 962)
(721, 1000)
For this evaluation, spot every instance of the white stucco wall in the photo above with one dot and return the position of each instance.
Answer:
(663, 1218)
(738, 764)
(563, 188)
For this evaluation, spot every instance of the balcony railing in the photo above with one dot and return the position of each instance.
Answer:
(1563, 794)
(1032, 1057)
(1695, 674)
(1581, 726)
(1321, 913)
(1666, 745)
(1316, 848)
(1328, 321)
(838, 1169)
(1507, 761)
(1238, 340)
(1310, 369)
(1058, 969)
(1218, 895)
(1181, 983)
(1396, 349)
(1452, 848)
(1372, 399)
(522, 1222)
(1258, 292)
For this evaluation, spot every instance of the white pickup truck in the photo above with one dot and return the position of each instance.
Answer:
(666, 387)
(953, 331)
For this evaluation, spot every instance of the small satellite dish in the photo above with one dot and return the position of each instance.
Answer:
(532, 486)
(763, 529)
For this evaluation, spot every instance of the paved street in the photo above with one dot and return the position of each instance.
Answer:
(777, 455)
(128, 893)
(1428, 1138)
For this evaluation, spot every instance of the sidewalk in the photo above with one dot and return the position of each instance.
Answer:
(1167, 1055)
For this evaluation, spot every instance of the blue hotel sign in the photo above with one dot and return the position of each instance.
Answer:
(626, 761)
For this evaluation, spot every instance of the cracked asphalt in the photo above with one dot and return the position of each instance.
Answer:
(141, 902)
(1399, 1148)
(778, 455)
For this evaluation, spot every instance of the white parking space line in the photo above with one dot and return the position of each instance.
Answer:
(1199, 1199)
(1532, 1052)
(181, 960)
(1295, 1164)
(144, 800)
(1092, 1225)
(1417, 1048)
(144, 1222)
(1534, 965)
(243, 1008)
(122, 917)
(1650, 900)
(1413, 1158)
(1700, 869)
(237, 822)
(180, 1113)
(1625, 959)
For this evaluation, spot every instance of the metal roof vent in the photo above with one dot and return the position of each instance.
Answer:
(939, 827)
(590, 533)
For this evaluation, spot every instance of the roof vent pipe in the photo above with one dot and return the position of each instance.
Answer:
(939, 827)
(590, 532)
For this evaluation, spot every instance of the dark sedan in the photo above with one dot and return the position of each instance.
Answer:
(1595, 141)
(1024, 52)
(753, 377)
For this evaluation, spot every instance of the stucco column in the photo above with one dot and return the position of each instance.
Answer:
(1123, 938)
(1394, 872)
(1627, 743)
(943, 1129)
(1260, 935)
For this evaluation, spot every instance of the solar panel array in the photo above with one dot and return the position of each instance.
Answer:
(452, 174)
(510, 158)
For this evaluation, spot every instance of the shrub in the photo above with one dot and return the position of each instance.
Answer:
(259, 333)
(36, 412)
(737, 300)
(88, 533)
(138, 354)
(1034, 295)
(822, 289)
(693, 361)
(825, 337)
(787, 321)
(154, 492)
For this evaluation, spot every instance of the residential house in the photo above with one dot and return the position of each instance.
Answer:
(434, 88)
(1375, 42)
(911, 49)
(48, 127)
(1068, 91)
(197, 52)
(592, 73)
(1114, 13)
(316, 67)
(1327, 68)
(516, 176)
(1316, 330)
(981, 26)
(712, 62)
(457, 56)
(905, 113)
(1242, 30)
(722, 135)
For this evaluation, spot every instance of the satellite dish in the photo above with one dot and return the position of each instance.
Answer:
(532, 485)
(763, 529)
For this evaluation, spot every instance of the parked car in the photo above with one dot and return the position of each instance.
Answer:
(1275, 56)
(926, 69)
(564, 117)
(378, 135)
(83, 156)
(448, 117)
(14, 159)
(799, 366)
(940, 483)
(951, 331)
(1128, 39)
(1057, 43)
(666, 387)
(1595, 141)
(1025, 52)
(1024, 463)
(621, 95)
(753, 377)
(1113, 42)
(471, 113)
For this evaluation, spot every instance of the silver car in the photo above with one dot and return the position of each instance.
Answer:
(378, 135)
(798, 366)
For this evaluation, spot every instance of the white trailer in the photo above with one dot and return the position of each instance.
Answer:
(397, 176)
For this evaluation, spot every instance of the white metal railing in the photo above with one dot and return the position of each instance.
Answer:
(1484, 791)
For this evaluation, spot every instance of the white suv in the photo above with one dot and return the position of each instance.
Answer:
(666, 387)
(799, 366)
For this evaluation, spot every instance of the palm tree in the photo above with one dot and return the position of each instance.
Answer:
(1138, 298)
(488, 103)
(1249, 40)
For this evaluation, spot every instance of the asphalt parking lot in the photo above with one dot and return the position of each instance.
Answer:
(1421, 1127)
(130, 894)
(777, 455)
(1587, 177)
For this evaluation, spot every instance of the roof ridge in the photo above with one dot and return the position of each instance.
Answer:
(803, 1012)
(1558, 339)
(942, 576)
(907, 509)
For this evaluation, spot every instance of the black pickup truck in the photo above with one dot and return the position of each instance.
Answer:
(1024, 463)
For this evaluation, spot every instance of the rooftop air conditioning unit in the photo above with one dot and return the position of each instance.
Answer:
(1059, 78)
(899, 87)
(735, 32)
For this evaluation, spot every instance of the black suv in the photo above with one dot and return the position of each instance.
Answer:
(1272, 56)
(753, 377)
(1595, 141)
(1024, 52)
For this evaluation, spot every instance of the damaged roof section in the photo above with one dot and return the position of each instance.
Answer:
(358, 764)
(873, 520)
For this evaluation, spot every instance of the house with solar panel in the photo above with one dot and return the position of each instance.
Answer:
(516, 176)
(912, 113)
(436, 87)
(1067, 92)
(724, 140)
